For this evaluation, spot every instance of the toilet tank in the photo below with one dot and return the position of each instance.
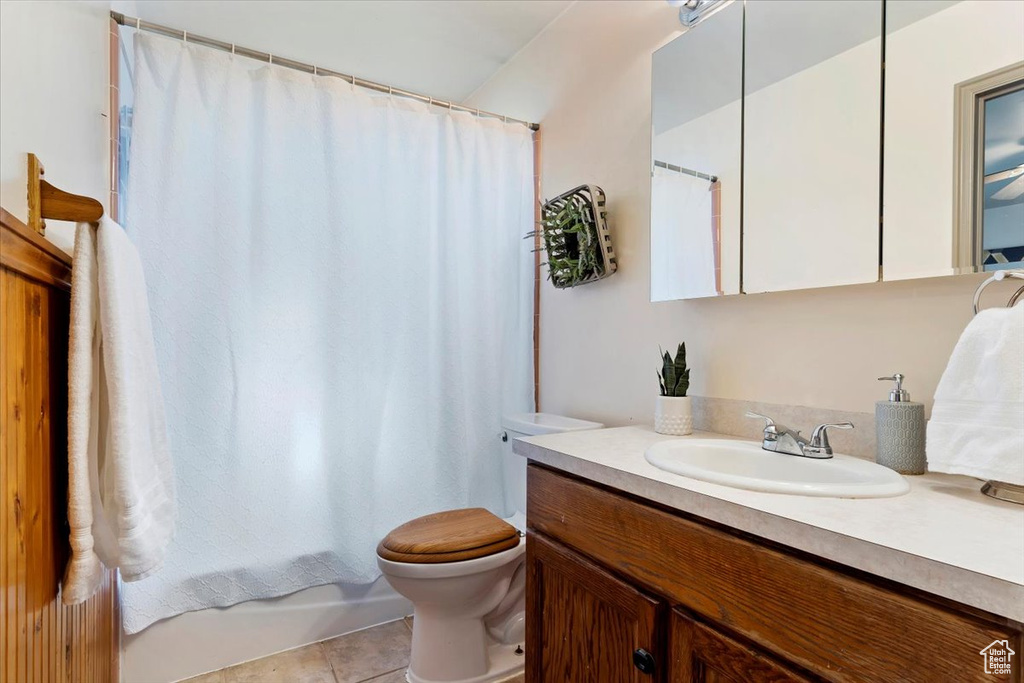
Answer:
(529, 424)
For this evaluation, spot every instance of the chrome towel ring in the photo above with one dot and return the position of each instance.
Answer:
(999, 276)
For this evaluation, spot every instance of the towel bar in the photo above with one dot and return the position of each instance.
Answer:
(1003, 491)
(1000, 489)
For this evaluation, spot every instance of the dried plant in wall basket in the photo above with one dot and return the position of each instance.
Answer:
(574, 229)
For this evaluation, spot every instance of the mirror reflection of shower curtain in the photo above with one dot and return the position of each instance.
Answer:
(686, 264)
(343, 310)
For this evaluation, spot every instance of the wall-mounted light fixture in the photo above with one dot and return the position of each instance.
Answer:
(692, 12)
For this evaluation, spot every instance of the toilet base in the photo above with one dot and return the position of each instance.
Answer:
(505, 663)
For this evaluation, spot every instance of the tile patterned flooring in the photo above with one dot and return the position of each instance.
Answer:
(375, 655)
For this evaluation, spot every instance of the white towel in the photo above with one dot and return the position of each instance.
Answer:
(121, 507)
(977, 424)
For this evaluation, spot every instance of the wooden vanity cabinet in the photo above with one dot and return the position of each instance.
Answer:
(700, 654)
(602, 623)
(621, 590)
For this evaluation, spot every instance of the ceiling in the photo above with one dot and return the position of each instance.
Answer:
(1004, 142)
(902, 13)
(444, 48)
(1004, 131)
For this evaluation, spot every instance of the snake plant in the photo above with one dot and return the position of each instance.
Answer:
(674, 376)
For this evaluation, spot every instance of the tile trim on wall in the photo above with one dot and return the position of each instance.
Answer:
(536, 267)
(114, 117)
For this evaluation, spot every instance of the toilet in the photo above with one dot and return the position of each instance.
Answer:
(464, 572)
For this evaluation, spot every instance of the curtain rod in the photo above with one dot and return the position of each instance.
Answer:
(685, 171)
(139, 24)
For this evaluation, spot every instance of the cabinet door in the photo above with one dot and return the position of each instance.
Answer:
(811, 133)
(701, 654)
(583, 624)
(946, 67)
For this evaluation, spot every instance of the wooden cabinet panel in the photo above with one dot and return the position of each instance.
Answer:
(836, 625)
(41, 639)
(700, 654)
(586, 623)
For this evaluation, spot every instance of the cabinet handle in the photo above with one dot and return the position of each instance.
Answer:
(643, 660)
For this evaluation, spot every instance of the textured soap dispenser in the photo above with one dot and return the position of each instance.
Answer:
(900, 429)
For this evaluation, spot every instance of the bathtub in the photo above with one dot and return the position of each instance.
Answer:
(197, 642)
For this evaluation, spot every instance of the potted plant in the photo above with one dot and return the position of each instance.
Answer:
(673, 413)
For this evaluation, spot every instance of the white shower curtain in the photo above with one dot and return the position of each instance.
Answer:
(342, 304)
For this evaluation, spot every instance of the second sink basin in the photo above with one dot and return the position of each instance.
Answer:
(745, 465)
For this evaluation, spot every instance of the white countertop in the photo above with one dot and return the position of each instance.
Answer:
(944, 536)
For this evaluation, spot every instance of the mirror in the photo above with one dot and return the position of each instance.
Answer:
(770, 168)
(695, 171)
(954, 137)
(811, 143)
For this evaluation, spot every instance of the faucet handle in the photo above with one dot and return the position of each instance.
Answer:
(771, 432)
(768, 422)
(819, 437)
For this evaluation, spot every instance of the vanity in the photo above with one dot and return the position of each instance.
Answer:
(639, 574)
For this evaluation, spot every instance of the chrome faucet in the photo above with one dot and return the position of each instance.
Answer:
(779, 438)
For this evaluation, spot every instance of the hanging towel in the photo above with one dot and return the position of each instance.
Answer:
(977, 424)
(121, 503)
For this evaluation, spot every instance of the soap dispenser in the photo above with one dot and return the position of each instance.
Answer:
(900, 430)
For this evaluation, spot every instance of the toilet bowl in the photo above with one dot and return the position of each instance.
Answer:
(459, 632)
(465, 573)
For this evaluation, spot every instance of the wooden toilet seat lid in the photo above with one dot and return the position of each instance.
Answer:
(450, 536)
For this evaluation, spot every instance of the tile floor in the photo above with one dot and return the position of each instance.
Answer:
(375, 655)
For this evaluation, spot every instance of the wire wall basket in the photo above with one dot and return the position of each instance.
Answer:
(574, 230)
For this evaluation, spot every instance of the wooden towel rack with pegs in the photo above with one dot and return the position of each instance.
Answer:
(46, 201)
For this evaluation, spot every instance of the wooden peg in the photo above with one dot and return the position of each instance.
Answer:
(46, 201)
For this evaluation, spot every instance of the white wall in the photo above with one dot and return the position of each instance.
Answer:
(587, 79)
(54, 92)
(924, 62)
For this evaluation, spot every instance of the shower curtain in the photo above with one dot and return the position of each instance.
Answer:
(342, 304)
(682, 227)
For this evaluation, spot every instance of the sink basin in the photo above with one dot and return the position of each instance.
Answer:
(745, 465)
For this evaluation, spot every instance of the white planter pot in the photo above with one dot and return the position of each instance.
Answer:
(673, 415)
